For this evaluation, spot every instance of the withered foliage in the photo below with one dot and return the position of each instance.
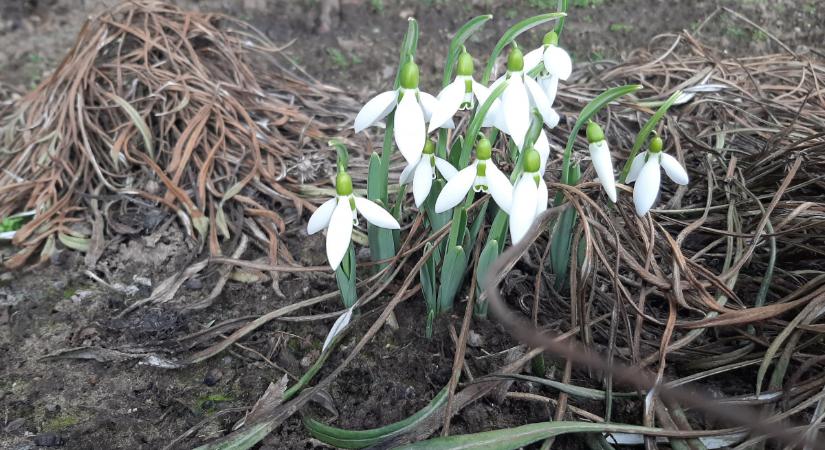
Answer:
(155, 108)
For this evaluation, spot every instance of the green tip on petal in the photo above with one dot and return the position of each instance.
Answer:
(429, 147)
(343, 184)
(465, 64)
(551, 38)
(484, 149)
(532, 161)
(515, 60)
(594, 132)
(409, 75)
(656, 144)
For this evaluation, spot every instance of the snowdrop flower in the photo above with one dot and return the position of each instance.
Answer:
(644, 170)
(529, 197)
(422, 173)
(412, 109)
(338, 215)
(482, 176)
(602, 162)
(557, 64)
(459, 94)
(522, 94)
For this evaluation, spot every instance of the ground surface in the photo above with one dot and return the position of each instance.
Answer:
(122, 403)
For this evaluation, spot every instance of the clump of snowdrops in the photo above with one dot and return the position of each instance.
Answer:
(500, 158)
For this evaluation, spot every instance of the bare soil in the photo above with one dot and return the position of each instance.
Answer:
(119, 402)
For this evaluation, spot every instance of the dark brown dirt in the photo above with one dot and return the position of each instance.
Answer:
(126, 404)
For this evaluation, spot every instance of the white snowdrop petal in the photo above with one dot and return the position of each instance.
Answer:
(481, 92)
(524, 207)
(337, 327)
(8, 235)
(429, 104)
(542, 146)
(410, 131)
(558, 62)
(375, 214)
(339, 232)
(533, 58)
(539, 100)
(647, 187)
(449, 101)
(320, 218)
(516, 110)
(456, 189)
(499, 186)
(550, 86)
(445, 168)
(406, 174)
(422, 181)
(375, 109)
(542, 198)
(674, 170)
(636, 167)
(603, 163)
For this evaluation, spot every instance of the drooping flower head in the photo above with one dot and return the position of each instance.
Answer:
(338, 215)
(529, 196)
(645, 172)
(460, 94)
(522, 94)
(423, 172)
(602, 162)
(481, 175)
(412, 109)
(557, 64)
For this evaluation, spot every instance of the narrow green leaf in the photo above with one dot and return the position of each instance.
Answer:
(641, 138)
(461, 36)
(512, 438)
(452, 273)
(563, 5)
(428, 280)
(345, 277)
(603, 99)
(342, 438)
(563, 236)
(458, 227)
(382, 243)
(73, 242)
(511, 34)
(485, 259)
(455, 151)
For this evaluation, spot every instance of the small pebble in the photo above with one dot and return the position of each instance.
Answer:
(194, 284)
(212, 377)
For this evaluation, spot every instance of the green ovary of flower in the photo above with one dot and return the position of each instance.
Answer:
(465, 64)
(594, 133)
(429, 147)
(409, 75)
(515, 60)
(656, 144)
(551, 38)
(343, 184)
(532, 161)
(483, 149)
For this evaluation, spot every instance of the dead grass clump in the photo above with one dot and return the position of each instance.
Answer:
(157, 108)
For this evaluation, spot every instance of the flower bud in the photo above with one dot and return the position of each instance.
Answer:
(429, 147)
(484, 149)
(594, 133)
(465, 64)
(656, 144)
(551, 38)
(343, 184)
(515, 60)
(409, 75)
(532, 161)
